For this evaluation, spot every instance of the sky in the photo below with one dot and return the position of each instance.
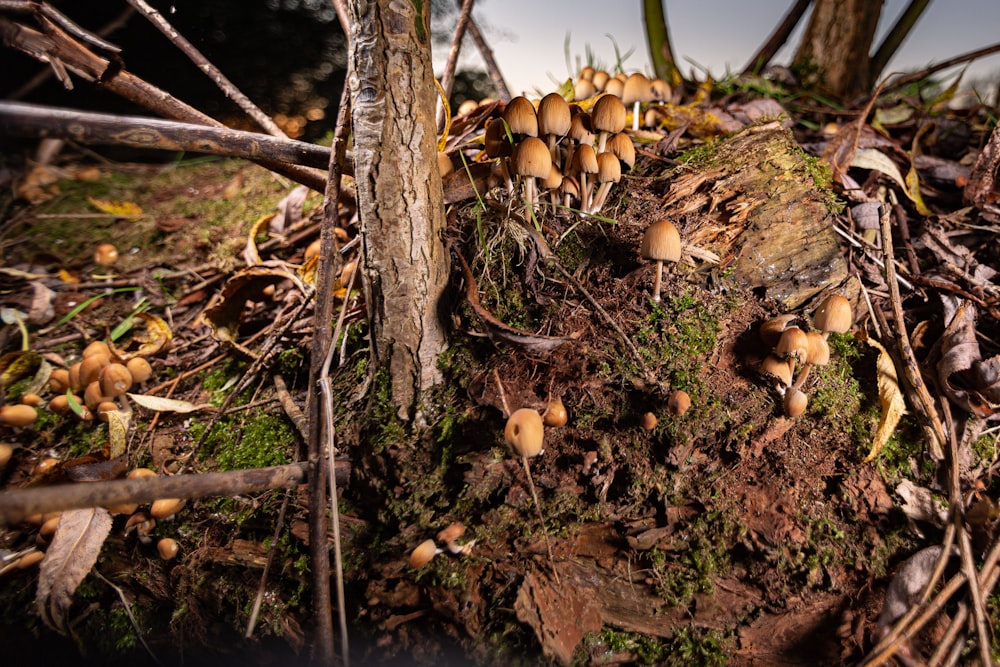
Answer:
(528, 37)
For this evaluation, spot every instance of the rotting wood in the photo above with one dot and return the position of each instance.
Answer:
(755, 202)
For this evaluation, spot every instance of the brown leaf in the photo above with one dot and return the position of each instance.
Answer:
(151, 341)
(223, 316)
(961, 362)
(73, 552)
(890, 399)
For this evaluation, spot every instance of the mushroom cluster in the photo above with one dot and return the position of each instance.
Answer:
(634, 89)
(573, 154)
(428, 549)
(794, 349)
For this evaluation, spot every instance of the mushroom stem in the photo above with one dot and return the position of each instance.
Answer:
(505, 170)
(635, 116)
(584, 192)
(541, 519)
(503, 394)
(602, 194)
(658, 280)
(802, 376)
(529, 198)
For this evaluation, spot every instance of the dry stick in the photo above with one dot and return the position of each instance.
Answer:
(63, 50)
(210, 70)
(491, 64)
(16, 504)
(291, 409)
(964, 541)
(278, 527)
(905, 80)
(126, 605)
(448, 77)
(319, 553)
(778, 38)
(84, 127)
(331, 450)
(910, 368)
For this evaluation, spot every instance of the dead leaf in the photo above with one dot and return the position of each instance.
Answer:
(250, 253)
(289, 210)
(154, 339)
(919, 504)
(890, 398)
(118, 422)
(73, 552)
(907, 584)
(160, 404)
(223, 316)
(960, 356)
(121, 209)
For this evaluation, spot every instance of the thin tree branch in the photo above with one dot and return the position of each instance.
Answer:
(763, 57)
(661, 52)
(895, 37)
(16, 504)
(210, 70)
(491, 64)
(88, 128)
(448, 77)
(906, 79)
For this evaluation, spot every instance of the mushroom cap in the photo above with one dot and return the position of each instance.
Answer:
(608, 114)
(555, 413)
(570, 186)
(609, 169)
(819, 349)
(621, 146)
(531, 158)
(600, 80)
(581, 129)
(793, 343)
(553, 180)
(637, 89)
(553, 115)
(525, 432)
(583, 89)
(661, 242)
(105, 254)
(452, 532)
(520, 117)
(423, 554)
(661, 90)
(770, 330)
(496, 143)
(585, 160)
(614, 86)
(834, 315)
(678, 402)
(587, 73)
(795, 402)
(774, 368)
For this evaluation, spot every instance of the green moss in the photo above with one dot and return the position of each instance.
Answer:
(240, 442)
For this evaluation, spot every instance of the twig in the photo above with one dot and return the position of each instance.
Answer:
(448, 77)
(778, 38)
(319, 553)
(910, 368)
(903, 80)
(895, 37)
(128, 612)
(15, 504)
(210, 70)
(278, 527)
(491, 64)
(291, 409)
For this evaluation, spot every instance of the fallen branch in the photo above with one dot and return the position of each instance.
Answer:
(37, 122)
(17, 504)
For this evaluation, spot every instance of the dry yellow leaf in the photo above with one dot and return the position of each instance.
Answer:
(121, 209)
(889, 397)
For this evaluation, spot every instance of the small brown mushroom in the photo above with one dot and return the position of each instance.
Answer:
(661, 243)
(525, 432)
(423, 554)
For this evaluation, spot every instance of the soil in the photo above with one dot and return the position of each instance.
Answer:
(725, 534)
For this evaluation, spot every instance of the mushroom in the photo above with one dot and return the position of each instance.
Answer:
(19, 415)
(661, 243)
(793, 345)
(555, 413)
(614, 86)
(164, 508)
(423, 554)
(554, 121)
(795, 402)
(587, 73)
(583, 89)
(608, 117)
(678, 402)
(584, 162)
(660, 89)
(105, 254)
(450, 537)
(600, 80)
(770, 330)
(609, 172)
(531, 160)
(648, 421)
(636, 91)
(818, 354)
(140, 369)
(168, 548)
(777, 371)
(834, 315)
(525, 433)
(519, 114)
(620, 145)
(114, 379)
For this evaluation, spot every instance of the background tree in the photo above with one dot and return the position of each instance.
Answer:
(400, 201)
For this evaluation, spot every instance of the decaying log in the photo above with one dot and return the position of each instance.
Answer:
(756, 203)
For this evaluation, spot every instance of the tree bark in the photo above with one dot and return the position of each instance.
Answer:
(400, 198)
(834, 52)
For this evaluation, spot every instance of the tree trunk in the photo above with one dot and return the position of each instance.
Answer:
(834, 52)
(400, 200)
